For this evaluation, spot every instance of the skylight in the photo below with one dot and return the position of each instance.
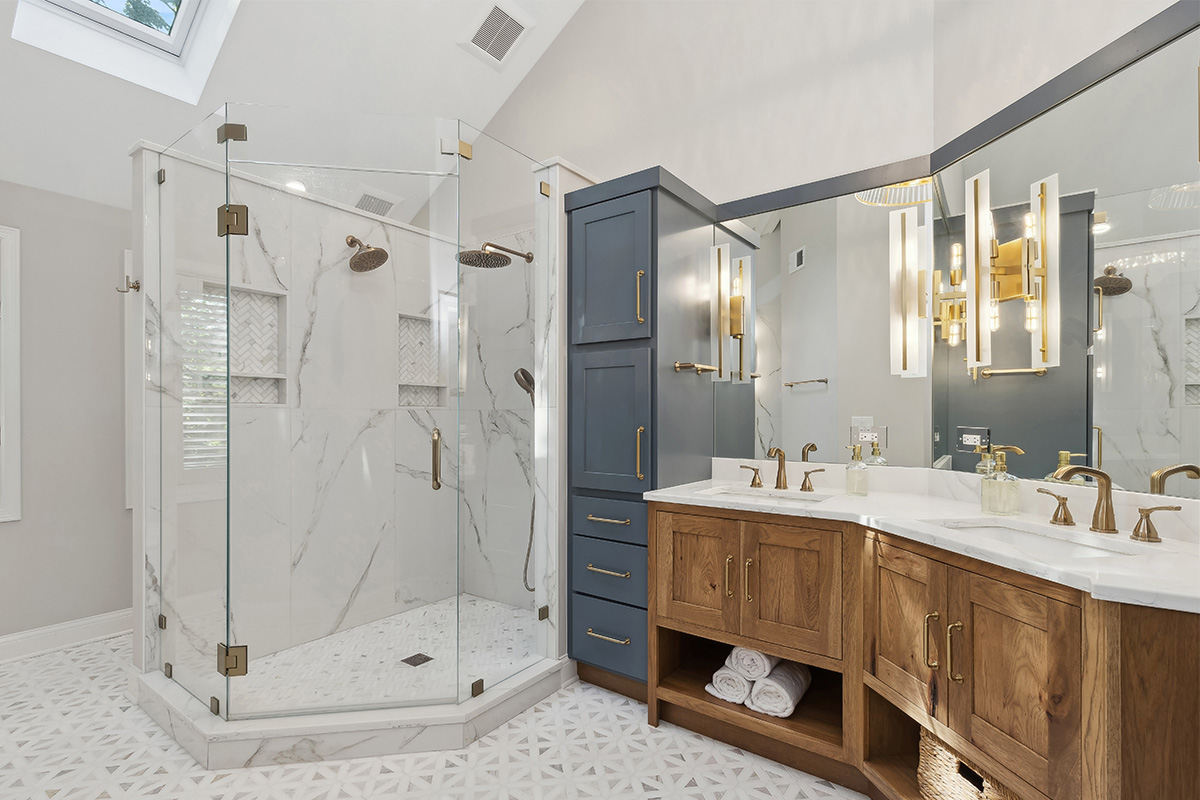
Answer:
(162, 24)
(152, 13)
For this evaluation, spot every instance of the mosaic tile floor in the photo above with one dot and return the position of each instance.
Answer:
(364, 666)
(68, 732)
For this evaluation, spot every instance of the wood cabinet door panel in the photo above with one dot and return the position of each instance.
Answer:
(1019, 655)
(902, 589)
(793, 591)
(698, 579)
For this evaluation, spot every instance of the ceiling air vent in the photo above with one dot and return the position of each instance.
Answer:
(376, 201)
(498, 34)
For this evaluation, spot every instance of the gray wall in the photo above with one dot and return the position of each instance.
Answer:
(69, 556)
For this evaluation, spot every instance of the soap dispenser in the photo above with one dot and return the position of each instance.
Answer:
(984, 467)
(856, 473)
(1000, 492)
(876, 458)
(1064, 460)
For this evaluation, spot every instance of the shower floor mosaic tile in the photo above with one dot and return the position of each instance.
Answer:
(363, 666)
(68, 732)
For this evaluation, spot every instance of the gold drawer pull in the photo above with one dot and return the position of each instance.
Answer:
(925, 642)
(950, 651)
(641, 429)
(728, 588)
(625, 574)
(641, 274)
(609, 521)
(595, 635)
(746, 577)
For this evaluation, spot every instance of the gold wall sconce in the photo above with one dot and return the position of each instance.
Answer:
(910, 253)
(1024, 269)
(733, 314)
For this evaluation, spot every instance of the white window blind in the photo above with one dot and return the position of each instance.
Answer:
(205, 377)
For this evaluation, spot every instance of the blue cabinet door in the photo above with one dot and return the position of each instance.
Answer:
(611, 275)
(610, 421)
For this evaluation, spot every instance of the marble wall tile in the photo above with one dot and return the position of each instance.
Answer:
(343, 546)
(263, 258)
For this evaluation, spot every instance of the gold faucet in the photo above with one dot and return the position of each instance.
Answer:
(781, 475)
(1158, 479)
(1103, 520)
(808, 448)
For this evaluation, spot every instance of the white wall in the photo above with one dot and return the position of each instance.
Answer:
(69, 555)
(743, 98)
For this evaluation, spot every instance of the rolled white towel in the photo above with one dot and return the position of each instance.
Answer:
(751, 664)
(728, 685)
(778, 693)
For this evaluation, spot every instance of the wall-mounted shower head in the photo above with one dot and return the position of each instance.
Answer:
(491, 256)
(525, 381)
(367, 258)
(1112, 284)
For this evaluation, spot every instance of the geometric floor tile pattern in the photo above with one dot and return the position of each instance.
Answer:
(68, 732)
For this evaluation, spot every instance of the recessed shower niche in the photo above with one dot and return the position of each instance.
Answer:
(257, 347)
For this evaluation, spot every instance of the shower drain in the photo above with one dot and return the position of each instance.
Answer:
(417, 659)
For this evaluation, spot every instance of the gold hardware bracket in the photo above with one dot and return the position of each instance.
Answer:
(168, 670)
(436, 441)
(728, 588)
(162, 176)
(231, 132)
(162, 622)
(477, 688)
(544, 189)
(233, 220)
(641, 429)
(594, 568)
(609, 521)
(130, 286)
(543, 612)
(232, 661)
(925, 641)
(214, 705)
(746, 578)
(602, 637)
(700, 368)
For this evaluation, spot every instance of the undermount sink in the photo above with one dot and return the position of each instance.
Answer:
(1042, 543)
(763, 493)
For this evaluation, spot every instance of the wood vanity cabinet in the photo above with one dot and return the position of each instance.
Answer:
(770, 582)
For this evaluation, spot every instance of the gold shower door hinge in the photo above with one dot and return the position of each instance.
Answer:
(231, 132)
(233, 220)
(457, 147)
(232, 661)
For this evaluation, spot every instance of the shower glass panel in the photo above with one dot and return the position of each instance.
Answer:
(187, 379)
(502, 556)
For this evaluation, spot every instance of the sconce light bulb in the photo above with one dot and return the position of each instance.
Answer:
(1100, 335)
(1100, 372)
(956, 255)
(955, 335)
(1030, 230)
(994, 314)
(1031, 315)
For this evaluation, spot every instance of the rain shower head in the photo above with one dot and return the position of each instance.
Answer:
(524, 380)
(1111, 284)
(367, 258)
(491, 256)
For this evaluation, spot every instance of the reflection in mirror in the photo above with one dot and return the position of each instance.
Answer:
(1094, 337)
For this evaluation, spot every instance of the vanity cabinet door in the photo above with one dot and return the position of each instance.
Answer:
(611, 446)
(698, 579)
(905, 623)
(792, 586)
(1014, 672)
(611, 275)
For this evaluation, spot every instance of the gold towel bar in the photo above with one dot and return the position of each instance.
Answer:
(700, 368)
(814, 380)
(988, 372)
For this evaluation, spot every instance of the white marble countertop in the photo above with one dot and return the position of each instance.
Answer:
(1163, 575)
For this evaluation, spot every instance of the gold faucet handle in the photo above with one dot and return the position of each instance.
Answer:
(756, 481)
(1062, 514)
(1144, 531)
(807, 485)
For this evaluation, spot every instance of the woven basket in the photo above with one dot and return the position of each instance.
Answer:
(943, 775)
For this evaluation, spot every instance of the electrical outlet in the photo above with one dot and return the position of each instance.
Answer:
(969, 438)
(869, 435)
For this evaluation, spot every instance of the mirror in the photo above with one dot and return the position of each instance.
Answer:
(1124, 390)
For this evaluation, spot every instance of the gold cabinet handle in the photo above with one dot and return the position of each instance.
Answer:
(641, 274)
(746, 578)
(950, 651)
(641, 429)
(728, 588)
(592, 568)
(595, 635)
(436, 438)
(609, 521)
(925, 642)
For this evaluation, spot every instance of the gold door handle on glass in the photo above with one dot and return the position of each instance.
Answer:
(950, 651)
(608, 572)
(595, 635)
(925, 641)
(746, 578)
(437, 459)
(641, 429)
(641, 273)
(728, 588)
(609, 521)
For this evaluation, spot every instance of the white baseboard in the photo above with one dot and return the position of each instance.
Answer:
(55, 637)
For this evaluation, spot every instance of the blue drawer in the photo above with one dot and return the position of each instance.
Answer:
(618, 520)
(593, 561)
(614, 621)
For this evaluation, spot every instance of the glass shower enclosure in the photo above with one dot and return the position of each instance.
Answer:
(341, 448)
